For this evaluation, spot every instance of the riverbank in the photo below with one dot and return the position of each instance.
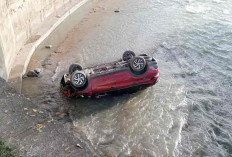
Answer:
(30, 131)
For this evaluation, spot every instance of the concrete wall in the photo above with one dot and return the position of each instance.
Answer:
(2, 63)
(19, 20)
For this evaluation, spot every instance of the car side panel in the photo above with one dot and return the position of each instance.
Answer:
(120, 80)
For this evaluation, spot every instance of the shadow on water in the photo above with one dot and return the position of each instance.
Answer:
(84, 107)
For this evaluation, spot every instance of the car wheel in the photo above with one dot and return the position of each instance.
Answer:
(78, 79)
(74, 67)
(127, 55)
(138, 64)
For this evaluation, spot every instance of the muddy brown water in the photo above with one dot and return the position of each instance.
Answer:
(188, 113)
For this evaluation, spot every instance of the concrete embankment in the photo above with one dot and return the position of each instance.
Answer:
(24, 26)
(31, 131)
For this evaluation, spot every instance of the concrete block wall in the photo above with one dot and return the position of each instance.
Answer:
(19, 20)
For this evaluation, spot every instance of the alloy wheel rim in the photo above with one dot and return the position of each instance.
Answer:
(138, 63)
(79, 79)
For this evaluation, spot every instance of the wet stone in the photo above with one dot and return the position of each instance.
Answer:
(79, 146)
(48, 46)
(38, 70)
(58, 51)
(32, 74)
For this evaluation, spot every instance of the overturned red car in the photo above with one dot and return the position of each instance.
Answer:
(127, 75)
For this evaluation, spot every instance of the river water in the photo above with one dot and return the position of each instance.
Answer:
(188, 113)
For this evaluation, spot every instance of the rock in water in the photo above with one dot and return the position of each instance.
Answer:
(38, 71)
(32, 74)
(48, 46)
(79, 146)
(58, 51)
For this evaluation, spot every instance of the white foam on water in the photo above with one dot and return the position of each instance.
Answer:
(226, 11)
(182, 109)
(176, 150)
(218, 1)
(197, 8)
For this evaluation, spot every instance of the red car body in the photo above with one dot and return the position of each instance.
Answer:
(119, 79)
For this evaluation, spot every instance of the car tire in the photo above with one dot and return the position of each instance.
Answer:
(138, 65)
(74, 67)
(78, 79)
(127, 55)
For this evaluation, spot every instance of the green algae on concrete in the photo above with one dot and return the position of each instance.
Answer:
(5, 151)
